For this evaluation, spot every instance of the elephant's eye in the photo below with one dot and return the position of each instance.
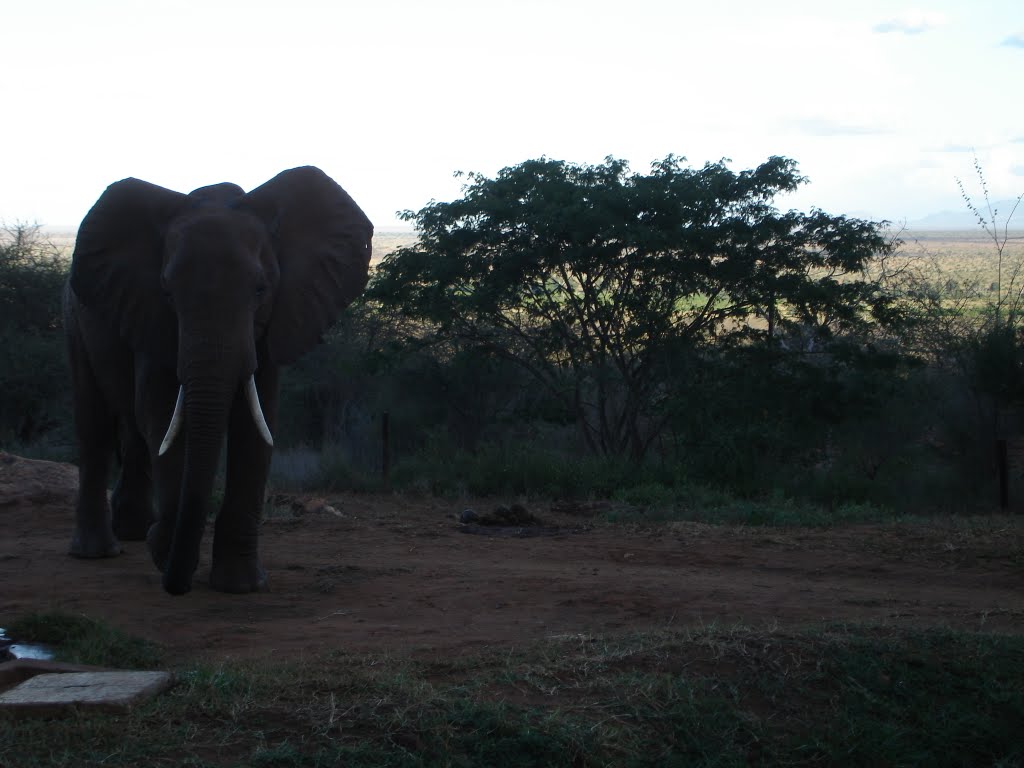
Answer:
(261, 290)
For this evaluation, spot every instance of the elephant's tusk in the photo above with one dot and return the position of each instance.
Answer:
(175, 425)
(257, 411)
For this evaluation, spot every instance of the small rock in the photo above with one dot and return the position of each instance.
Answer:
(516, 514)
(468, 516)
(318, 506)
(312, 506)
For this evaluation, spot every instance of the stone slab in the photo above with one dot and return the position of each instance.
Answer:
(54, 693)
(18, 670)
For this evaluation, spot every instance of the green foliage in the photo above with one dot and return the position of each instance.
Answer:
(974, 333)
(33, 280)
(997, 354)
(33, 372)
(594, 280)
(749, 414)
(324, 391)
(515, 469)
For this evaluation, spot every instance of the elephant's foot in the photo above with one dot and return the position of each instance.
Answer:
(158, 541)
(93, 544)
(237, 574)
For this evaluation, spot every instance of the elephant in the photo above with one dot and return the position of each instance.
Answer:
(179, 310)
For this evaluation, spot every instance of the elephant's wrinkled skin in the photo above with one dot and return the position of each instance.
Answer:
(189, 299)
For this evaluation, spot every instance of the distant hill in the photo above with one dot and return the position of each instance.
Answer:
(964, 219)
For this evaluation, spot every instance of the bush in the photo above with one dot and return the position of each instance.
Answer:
(34, 386)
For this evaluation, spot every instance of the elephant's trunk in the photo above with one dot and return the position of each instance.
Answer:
(251, 396)
(206, 407)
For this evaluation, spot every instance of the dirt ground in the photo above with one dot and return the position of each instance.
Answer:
(396, 572)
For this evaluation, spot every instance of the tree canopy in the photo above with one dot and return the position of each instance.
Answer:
(591, 277)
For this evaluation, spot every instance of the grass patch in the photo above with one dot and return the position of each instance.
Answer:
(648, 492)
(842, 695)
(81, 640)
(653, 502)
(331, 469)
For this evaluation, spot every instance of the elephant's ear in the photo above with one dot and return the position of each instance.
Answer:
(118, 258)
(322, 240)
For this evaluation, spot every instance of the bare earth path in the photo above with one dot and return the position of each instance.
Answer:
(391, 572)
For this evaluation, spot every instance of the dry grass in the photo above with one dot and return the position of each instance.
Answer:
(966, 256)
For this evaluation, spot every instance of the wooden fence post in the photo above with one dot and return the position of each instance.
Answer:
(1002, 459)
(385, 436)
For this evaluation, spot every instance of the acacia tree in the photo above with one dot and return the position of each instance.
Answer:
(590, 277)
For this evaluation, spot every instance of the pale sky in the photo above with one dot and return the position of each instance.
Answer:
(882, 104)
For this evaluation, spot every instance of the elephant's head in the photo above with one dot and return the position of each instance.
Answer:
(211, 285)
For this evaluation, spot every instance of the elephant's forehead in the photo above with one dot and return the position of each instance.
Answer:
(221, 231)
(215, 252)
(217, 193)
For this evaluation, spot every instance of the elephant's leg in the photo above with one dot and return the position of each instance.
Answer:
(167, 488)
(96, 431)
(236, 562)
(155, 393)
(132, 501)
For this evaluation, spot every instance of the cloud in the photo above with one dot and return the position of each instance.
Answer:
(957, 148)
(820, 126)
(911, 23)
(1014, 41)
(1017, 170)
(1018, 140)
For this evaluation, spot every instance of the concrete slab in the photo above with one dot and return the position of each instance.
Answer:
(54, 693)
(14, 672)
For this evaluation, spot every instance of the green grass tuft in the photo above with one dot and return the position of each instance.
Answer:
(81, 640)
